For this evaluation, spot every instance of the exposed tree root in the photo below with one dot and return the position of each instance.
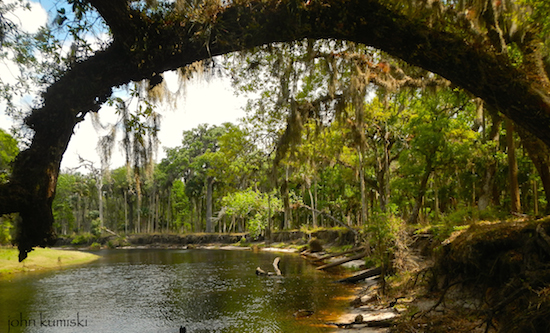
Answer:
(499, 275)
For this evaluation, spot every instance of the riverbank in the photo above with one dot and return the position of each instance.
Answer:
(336, 236)
(40, 260)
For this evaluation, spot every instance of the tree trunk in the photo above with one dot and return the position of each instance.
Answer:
(132, 214)
(413, 219)
(169, 215)
(343, 261)
(287, 221)
(138, 217)
(209, 190)
(491, 167)
(362, 187)
(383, 173)
(540, 156)
(316, 199)
(535, 198)
(436, 198)
(268, 231)
(313, 212)
(515, 205)
(100, 199)
(156, 222)
(125, 212)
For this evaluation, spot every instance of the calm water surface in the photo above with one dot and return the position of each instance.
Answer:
(138, 291)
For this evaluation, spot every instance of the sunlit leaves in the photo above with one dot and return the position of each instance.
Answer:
(252, 206)
(8, 151)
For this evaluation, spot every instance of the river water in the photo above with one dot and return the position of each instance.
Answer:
(160, 290)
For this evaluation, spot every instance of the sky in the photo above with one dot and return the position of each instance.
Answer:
(212, 102)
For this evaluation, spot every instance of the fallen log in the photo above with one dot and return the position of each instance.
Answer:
(343, 261)
(328, 256)
(362, 275)
(310, 256)
(110, 231)
(370, 323)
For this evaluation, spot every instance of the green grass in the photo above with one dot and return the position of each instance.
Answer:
(41, 259)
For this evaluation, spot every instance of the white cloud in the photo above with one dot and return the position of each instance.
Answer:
(29, 20)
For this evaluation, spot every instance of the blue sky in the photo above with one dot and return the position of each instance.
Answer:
(212, 102)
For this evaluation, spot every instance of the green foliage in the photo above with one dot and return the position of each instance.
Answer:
(8, 152)
(384, 229)
(95, 246)
(95, 228)
(82, 239)
(180, 206)
(7, 223)
(253, 207)
(537, 15)
(243, 242)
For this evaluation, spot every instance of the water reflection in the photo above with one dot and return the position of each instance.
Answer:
(159, 290)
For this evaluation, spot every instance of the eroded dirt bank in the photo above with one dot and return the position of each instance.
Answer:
(491, 277)
(497, 272)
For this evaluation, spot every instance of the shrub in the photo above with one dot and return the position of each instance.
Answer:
(95, 246)
(95, 228)
(83, 239)
(243, 242)
(384, 230)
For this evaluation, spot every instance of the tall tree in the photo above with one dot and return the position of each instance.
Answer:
(193, 162)
(515, 203)
(540, 155)
(439, 139)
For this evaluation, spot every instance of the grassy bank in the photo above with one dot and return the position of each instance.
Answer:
(41, 259)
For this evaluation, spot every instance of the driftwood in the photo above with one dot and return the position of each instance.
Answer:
(276, 266)
(261, 272)
(310, 256)
(111, 232)
(328, 256)
(370, 323)
(343, 261)
(362, 275)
